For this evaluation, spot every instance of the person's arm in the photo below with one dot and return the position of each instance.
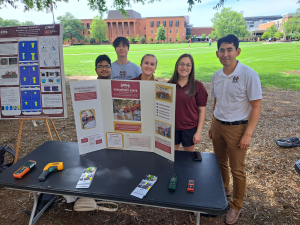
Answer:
(198, 135)
(214, 105)
(253, 120)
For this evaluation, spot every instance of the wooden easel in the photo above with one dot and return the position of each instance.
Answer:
(48, 128)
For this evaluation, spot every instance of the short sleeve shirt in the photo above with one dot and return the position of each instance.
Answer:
(130, 71)
(186, 114)
(234, 93)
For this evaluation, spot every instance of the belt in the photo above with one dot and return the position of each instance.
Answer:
(233, 123)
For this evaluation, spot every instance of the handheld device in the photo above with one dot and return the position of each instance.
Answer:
(24, 169)
(173, 182)
(49, 168)
(196, 156)
(191, 186)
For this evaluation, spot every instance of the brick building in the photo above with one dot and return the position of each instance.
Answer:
(278, 23)
(134, 24)
(198, 31)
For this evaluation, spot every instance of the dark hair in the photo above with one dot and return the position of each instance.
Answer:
(101, 58)
(120, 40)
(152, 77)
(174, 78)
(230, 38)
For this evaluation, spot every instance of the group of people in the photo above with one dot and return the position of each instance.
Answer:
(132, 112)
(237, 94)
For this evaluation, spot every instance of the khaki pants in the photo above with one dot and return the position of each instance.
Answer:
(225, 141)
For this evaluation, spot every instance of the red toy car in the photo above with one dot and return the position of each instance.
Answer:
(191, 186)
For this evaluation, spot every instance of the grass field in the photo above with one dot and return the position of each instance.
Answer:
(268, 60)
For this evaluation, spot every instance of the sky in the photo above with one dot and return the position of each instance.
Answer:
(200, 16)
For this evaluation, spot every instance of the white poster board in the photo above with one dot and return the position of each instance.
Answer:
(32, 83)
(129, 115)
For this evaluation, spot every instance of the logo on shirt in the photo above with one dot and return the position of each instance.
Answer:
(122, 73)
(235, 79)
(186, 92)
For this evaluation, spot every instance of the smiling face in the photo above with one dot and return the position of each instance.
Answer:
(122, 50)
(227, 54)
(148, 66)
(184, 67)
(103, 70)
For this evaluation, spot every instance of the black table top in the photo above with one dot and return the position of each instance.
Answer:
(118, 174)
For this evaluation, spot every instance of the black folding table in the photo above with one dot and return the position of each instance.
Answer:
(118, 174)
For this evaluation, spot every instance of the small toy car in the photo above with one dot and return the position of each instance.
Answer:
(191, 185)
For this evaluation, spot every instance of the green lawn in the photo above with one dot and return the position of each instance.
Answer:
(268, 60)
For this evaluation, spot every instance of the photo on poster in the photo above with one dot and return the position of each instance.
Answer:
(163, 93)
(163, 129)
(88, 119)
(127, 109)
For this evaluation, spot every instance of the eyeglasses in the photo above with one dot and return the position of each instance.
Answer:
(103, 67)
(187, 65)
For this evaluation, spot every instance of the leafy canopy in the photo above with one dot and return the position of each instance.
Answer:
(72, 27)
(272, 31)
(13, 23)
(293, 24)
(98, 29)
(229, 22)
(161, 33)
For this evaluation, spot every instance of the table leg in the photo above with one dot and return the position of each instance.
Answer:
(33, 218)
(197, 218)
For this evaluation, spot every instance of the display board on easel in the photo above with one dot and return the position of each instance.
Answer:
(32, 81)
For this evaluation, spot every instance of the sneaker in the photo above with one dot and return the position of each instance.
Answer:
(232, 216)
(228, 193)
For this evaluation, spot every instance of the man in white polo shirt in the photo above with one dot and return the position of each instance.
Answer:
(236, 90)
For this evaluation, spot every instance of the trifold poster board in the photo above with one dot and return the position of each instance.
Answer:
(32, 81)
(129, 115)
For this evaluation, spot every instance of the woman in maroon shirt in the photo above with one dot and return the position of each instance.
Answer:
(148, 67)
(191, 98)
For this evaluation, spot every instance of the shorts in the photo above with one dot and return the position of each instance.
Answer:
(185, 137)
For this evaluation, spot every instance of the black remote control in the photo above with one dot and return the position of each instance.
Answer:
(297, 166)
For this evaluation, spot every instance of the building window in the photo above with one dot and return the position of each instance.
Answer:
(139, 24)
(170, 23)
(152, 40)
(177, 23)
(170, 39)
(152, 24)
(133, 32)
(144, 28)
(88, 32)
(176, 30)
(82, 32)
(170, 30)
(164, 23)
(151, 31)
(157, 23)
(88, 26)
(139, 32)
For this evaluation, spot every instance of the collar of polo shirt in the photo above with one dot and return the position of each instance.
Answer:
(235, 72)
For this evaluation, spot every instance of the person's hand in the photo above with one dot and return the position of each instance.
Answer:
(197, 137)
(210, 133)
(245, 142)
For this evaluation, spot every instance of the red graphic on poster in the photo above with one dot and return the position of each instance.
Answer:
(163, 147)
(98, 141)
(127, 127)
(85, 96)
(125, 89)
(84, 140)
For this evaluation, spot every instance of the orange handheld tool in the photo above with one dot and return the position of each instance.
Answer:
(49, 168)
(24, 169)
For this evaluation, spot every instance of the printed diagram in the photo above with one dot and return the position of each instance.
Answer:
(50, 80)
(49, 54)
(10, 74)
(3, 61)
(8, 48)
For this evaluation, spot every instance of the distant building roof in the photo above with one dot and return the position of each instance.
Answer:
(274, 17)
(115, 14)
(288, 15)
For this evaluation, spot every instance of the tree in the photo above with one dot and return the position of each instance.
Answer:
(278, 35)
(137, 38)
(265, 35)
(161, 33)
(12, 23)
(98, 29)
(133, 40)
(272, 30)
(178, 38)
(149, 39)
(72, 27)
(128, 38)
(248, 34)
(92, 41)
(194, 37)
(99, 5)
(213, 34)
(203, 36)
(143, 39)
(229, 22)
(85, 38)
(293, 24)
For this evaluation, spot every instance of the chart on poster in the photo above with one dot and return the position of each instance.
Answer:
(31, 72)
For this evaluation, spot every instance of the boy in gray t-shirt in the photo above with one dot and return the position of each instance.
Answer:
(123, 69)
